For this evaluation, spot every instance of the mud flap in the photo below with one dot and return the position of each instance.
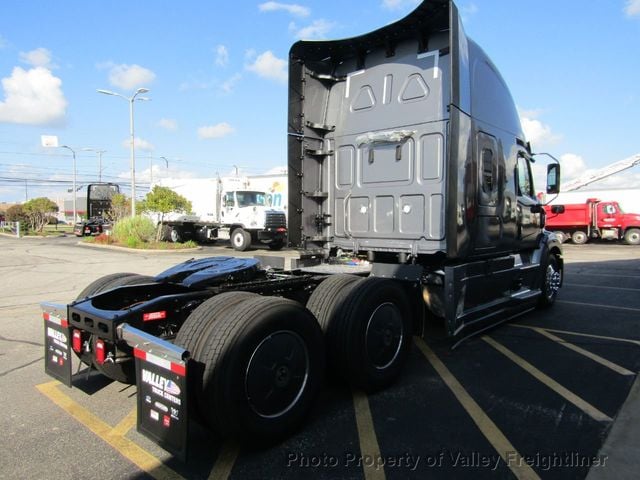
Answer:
(161, 378)
(57, 342)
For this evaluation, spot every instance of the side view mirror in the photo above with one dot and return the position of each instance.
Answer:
(553, 178)
(557, 209)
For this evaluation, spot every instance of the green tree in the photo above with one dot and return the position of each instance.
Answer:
(38, 211)
(120, 207)
(15, 213)
(163, 200)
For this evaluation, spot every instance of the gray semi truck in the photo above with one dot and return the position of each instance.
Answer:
(405, 152)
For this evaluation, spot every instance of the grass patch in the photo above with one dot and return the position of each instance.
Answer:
(132, 242)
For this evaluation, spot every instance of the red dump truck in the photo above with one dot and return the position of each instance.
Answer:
(593, 219)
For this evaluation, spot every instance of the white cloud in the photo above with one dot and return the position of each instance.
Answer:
(40, 57)
(230, 83)
(168, 124)
(538, 133)
(292, 8)
(399, 4)
(128, 77)
(215, 131)
(32, 97)
(632, 8)
(222, 56)
(573, 166)
(3, 42)
(141, 144)
(317, 30)
(267, 65)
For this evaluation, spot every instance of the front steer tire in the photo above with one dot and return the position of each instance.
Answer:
(551, 281)
(632, 236)
(264, 364)
(240, 239)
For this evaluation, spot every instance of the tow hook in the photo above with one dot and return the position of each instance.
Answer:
(110, 358)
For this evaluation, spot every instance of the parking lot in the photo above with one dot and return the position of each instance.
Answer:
(535, 398)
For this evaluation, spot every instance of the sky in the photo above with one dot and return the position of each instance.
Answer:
(217, 79)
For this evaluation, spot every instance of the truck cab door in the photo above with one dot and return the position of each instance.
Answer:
(528, 210)
(228, 206)
(608, 215)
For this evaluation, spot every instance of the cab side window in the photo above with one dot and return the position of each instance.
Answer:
(524, 179)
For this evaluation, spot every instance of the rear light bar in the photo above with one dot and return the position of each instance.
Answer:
(101, 352)
(77, 341)
(152, 316)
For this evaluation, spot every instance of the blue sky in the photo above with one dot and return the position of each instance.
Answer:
(217, 78)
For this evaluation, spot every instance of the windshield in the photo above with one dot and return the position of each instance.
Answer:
(251, 199)
(102, 192)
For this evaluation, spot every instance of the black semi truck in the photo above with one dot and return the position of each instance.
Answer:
(405, 151)
(99, 202)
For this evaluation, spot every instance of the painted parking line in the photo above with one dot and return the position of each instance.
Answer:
(144, 460)
(581, 334)
(568, 395)
(597, 305)
(126, 424)
(596, 358)
(225, 462)
(369, 447)
(490, 430)
(605, 275)
(600, 287)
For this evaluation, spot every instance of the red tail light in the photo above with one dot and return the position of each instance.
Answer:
(77, 341)
(281, 229)
(100, 352)
(149, 317)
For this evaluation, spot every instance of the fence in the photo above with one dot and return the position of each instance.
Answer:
(12, 228)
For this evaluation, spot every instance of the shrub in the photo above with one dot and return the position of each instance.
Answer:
(134, 230)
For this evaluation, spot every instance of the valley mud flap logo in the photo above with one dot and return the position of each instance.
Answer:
(162, 405)
(57, 354)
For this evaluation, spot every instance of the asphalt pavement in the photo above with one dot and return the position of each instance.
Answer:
(553, 394)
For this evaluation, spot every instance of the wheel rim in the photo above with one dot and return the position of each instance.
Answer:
(384, 335)
(277, 374)
(634, 237)
(554, 279)
(238, 239)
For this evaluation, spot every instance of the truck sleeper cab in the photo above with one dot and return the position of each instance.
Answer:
(405, 148)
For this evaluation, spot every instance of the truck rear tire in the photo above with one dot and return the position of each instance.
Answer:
(194, 331)
(369, 335)
(176, 235)
(240, 239)
(329, 295)
(632, 236)
(276, 245)
(579, 237)
(551, 281)
(264, 364)
(561, 236)
(102, 284)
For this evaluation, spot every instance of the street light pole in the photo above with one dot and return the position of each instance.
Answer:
(131, 131)
(75, 215)
(166, 163)
(99, 152)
